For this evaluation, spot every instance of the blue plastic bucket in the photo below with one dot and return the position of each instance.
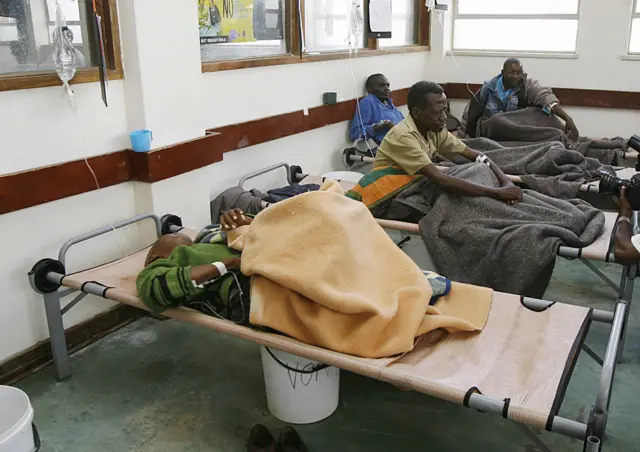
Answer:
(141, 140)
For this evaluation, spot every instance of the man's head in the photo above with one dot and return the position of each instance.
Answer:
(378, 85)
(163, 248)
(428, 106)
(512, 73)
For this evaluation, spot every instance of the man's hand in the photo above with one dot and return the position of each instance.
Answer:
(383, 125)
(571, 130)
(233, 219)
(625, 205)
(509, 194)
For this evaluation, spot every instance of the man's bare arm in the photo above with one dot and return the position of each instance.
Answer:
(623, 249)
(570, 126)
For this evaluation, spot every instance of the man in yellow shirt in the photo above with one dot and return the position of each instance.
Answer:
(413, 142)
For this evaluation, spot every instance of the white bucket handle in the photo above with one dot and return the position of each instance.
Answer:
(36, 437)
(313, 369)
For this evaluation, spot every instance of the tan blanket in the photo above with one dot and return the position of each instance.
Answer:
(326, 274)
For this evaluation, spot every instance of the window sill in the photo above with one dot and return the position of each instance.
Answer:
(230, 65)
(363, 53)
(632, 57)
(31, 80)
(306, 58)
(478, 53)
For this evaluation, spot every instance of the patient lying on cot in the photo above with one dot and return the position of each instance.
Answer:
(203, 274)
(293, 256)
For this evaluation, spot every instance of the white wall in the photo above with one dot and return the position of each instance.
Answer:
(40, 128)
(602, 41)
(38, 232)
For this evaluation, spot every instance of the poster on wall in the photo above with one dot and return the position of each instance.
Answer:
(224, 21)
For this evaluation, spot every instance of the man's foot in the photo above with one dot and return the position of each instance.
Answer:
(261, 440)
(290, 441)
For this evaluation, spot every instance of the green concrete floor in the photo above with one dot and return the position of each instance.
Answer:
(164, 386)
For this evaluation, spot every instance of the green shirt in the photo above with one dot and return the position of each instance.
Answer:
(167, 282)
(405, 147)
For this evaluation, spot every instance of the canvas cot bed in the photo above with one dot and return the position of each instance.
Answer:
(518, 367)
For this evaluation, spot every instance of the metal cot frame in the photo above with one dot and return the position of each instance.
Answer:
(47, 275)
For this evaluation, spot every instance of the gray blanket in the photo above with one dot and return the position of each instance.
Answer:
(236, 198)
(487, 242)
(549, 168)
(532, 125)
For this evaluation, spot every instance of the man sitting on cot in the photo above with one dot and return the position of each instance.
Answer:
(408, 149)
(512, 90)
(375, 114)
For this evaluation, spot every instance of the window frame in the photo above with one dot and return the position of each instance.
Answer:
(296, 56)
(111, 35)
(635, 14)
(507, 52)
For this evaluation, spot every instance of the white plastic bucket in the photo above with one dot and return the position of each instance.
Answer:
(303, 392)
(16, 419)
(347, 176)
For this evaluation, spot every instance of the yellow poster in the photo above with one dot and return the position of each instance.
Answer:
(224, 21)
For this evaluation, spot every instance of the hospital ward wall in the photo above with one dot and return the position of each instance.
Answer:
(599, 65)
(40, 128)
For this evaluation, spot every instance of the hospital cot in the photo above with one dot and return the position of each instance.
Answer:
(518, 367)
(351, 157)
(599, 251)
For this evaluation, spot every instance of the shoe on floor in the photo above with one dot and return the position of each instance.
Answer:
(261, 440)
(290, 441)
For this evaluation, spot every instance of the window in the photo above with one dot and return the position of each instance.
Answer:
(404, 25)
(634, 41)
(27, 30)
(327, 25)
(242, 29)
(541, 26)
(237, 34)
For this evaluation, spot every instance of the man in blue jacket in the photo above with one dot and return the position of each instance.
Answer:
(376, 114)
(509, 91)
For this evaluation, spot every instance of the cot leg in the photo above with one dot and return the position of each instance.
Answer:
(58, 339)
(626, 294)
(602, 276)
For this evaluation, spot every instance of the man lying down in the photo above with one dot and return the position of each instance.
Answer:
(321, 271)
(202, 273)
(478, 227)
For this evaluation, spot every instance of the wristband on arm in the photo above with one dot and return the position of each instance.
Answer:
(222, 270)
(483, 159)
(549, 108)
(626, 219)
